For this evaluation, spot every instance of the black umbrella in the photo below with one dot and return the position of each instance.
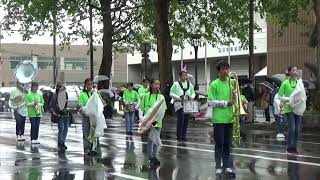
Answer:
(267, 85)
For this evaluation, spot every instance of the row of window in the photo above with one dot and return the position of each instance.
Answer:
(46, 63)
(235, 49)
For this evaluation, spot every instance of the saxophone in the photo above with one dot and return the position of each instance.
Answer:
(237, 108)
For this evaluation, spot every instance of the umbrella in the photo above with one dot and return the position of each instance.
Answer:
(243, 81)
(191, 79)
(137, 86)
(100, 78)
(281, 77)
(267, 85)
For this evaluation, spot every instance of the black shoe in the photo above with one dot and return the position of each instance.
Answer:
(290, 151)
(64, 146)
(154, 162)
(229, 173)
(94, 153)
(157, 161)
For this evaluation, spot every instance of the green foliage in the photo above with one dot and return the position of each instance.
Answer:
(36, 17)
(217, 21)
(282, 12)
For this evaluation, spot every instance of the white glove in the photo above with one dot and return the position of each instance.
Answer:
(84, 111)
(140, 115)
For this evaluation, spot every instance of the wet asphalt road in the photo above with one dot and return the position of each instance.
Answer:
(260, 156)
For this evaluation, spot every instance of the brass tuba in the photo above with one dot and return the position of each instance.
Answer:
(237, 108)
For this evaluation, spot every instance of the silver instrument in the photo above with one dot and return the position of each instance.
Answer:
(25, 72)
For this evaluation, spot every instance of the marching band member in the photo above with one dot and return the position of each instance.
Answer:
(219, 99)
(242, 119)
(62, 115)
(83, 99)
(294, 121)
(181, 90)
(34, 101)
(144, 89)
(131, 100)
(148, 100)
(17, 99)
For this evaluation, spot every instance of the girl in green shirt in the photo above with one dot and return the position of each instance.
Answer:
(34, 101)
(83, 99)
(148, 100)
(294, 121)
(131, 101)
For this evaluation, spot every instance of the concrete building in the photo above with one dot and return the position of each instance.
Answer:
(73, 63)
(290, 47)
(210, 55)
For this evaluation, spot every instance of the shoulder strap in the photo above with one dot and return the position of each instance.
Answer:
(181, 86)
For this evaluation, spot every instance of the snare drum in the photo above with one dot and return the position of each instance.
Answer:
(190, 106)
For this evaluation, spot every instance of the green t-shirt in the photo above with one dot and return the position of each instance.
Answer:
(130, 96)
(84, 98)
(220, 90)
(22, 108)
(142, 90)
(32, 111)
(286, 90)
(147, 102)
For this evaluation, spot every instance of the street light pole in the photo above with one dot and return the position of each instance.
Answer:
(54, 43)
(91, 40)
(196, 38)
(196, 85)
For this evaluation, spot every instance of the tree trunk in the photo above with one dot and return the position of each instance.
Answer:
(164, 48)
(106, 63)
(164, 43)
(317, 14)
(316, 8)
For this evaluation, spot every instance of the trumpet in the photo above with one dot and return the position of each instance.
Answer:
(237, 108)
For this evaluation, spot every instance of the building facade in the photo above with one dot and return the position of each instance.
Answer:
(289, 46)
(72, 63)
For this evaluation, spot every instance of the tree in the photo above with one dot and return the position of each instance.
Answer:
(117, 19)
(173, 22)
(285, 12)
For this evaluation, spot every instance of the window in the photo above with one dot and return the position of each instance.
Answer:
(235, 48)
(223, 49)
(75, 63)
(14, 64)
(231, 49)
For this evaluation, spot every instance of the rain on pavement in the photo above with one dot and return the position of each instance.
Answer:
(260, 155)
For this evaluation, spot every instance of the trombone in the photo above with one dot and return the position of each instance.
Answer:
(237, 108)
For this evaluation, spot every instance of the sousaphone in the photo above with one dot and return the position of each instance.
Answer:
(25, 72)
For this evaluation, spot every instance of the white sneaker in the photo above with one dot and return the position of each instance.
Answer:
(22, 138)
(37, 141)
(280, 136)
(18, 138)
(34, 142)
(219, 171)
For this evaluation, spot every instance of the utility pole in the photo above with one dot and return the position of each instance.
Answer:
(91, 41)
(251, 42)
(55, 43)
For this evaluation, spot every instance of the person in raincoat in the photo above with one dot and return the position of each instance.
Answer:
(149, 103)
